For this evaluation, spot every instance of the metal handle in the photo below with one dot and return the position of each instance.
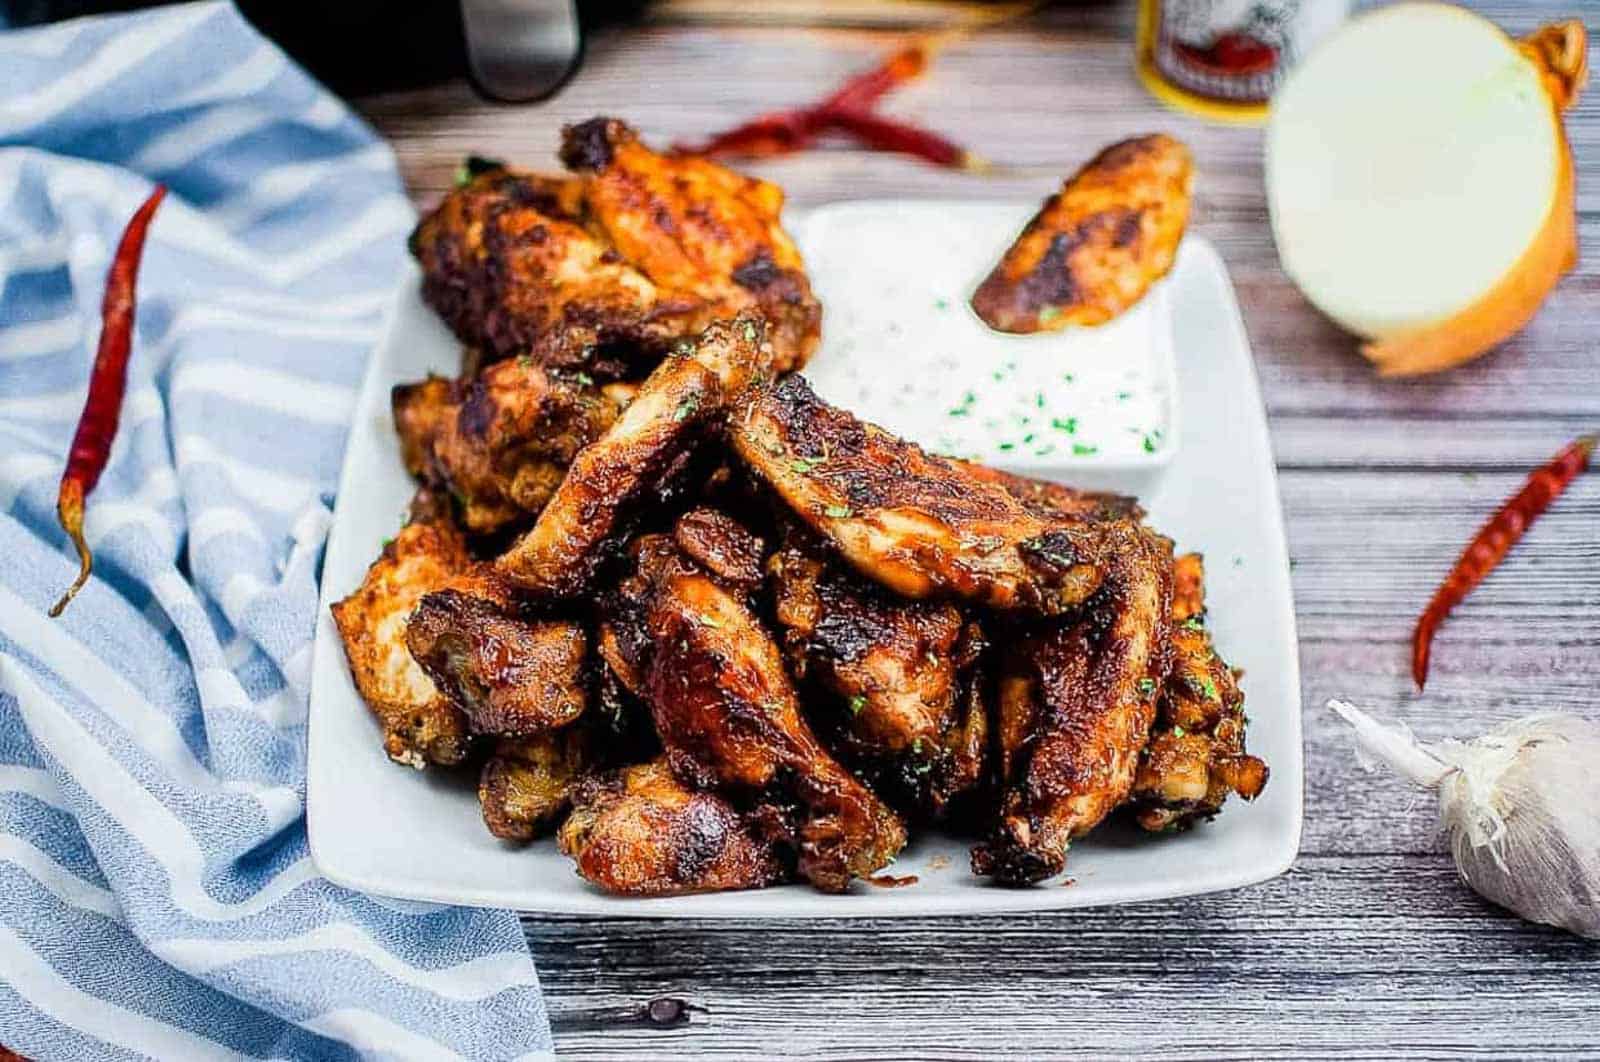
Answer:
(521, 50)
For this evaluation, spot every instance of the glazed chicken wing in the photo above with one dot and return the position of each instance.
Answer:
(420, 725)
(1076, 700)
(639, 831)
(917, 524)
(1196, 755)
(525, 787)
(697, 229)
(729, 718)
(894, 668)
(500, 443)
(510, 674)
(607, 270)
(691, 389)
(508, 262)
(1096, 246)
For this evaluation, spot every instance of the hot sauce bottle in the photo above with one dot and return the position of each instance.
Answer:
(1223, 59)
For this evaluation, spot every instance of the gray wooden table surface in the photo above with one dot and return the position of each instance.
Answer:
(1369, 947)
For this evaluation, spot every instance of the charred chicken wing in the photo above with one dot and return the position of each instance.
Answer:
(1096, 246)
(894, 669)
(688, 393)
(1196, 754)
(1076, 700)
(917, 524)
(697, 230)
(420, 725)
(510, 674)
(606, 270)
(639, 831)
(500, 443)
(524, 788)
(729, 718)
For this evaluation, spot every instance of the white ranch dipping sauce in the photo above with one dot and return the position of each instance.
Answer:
(902, 349)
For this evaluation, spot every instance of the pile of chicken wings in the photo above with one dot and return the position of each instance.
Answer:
(716, 633)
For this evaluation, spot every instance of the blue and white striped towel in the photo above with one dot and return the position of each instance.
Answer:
(157, 897)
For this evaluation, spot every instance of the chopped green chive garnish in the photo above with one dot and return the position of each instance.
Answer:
(1048, 314)
(1147, 686)
(1008, 446)
(1084, 450)
(1149, 445)
(837, 512)
(1069, 425)
(858, 702)
(686, 408)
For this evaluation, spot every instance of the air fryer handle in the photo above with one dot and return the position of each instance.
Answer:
(521, 50)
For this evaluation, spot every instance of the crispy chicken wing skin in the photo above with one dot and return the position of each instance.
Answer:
(691, 389)
(606, 270)
(509, 263)
(729, 717)
(1196, 755)
(500, 442)
(1076, 700)
(509, 674)
(420, 725)
(639, 831)
(525, 786)
(1096, 246)
(697, 228)
(917, 524)
(1050, 500)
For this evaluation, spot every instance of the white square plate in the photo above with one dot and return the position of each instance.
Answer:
(384, 829)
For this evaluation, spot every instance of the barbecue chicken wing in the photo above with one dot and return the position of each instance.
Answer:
(606, 270)
(1096, 246)
(917, 524)
(730, 719)
(420, 725)
(499, 443)
(639, 831)
(1196, 754)
(1049, 500)
(510, 674)
(524, 788)
(1076, 700)
(685, 396)
(895, 670)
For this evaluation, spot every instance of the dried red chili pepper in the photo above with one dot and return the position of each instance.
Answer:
(108, 379)
(781, 132)
(886, 134)
(1490, 545)
(848, 110)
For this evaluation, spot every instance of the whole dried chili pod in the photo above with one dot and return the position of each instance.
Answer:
(108, 379)
(887, 134)
(1490, 545)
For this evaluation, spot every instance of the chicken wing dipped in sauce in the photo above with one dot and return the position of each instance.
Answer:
(606, 270)
(420, 724)
(1096, 246)
(639, 831)
(919, 525)
(686, 396)
(499, 443)
(1076, 700)
(1196, 756)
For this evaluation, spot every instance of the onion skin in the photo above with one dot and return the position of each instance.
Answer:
(1560, 52)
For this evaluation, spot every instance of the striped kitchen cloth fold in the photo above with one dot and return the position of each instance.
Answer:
(157, 897)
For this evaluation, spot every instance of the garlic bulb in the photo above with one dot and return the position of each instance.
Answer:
(1520, 807)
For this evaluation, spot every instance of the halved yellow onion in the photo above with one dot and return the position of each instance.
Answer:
(1420, 181)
